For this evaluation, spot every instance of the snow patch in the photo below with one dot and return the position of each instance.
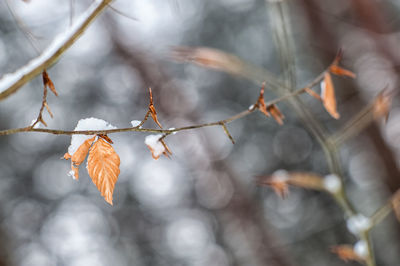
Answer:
(358, 223)
(332, 183)
(323, 86)
(172, 128)
(361, 249)
(72, 174)
(135, 123)
(152, 141)
(280, 175)
(87, 124)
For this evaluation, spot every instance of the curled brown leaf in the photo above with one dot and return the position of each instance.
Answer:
(48, 83)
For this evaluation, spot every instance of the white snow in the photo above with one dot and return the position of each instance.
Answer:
(361, 249)
(135, 123)
(280, 175)
(358, 223)
(72, 174)
(156, 146)
(172, 128)
(10, 79)
(87, 124)
(33, 122)
(332, 183)
(323, 86)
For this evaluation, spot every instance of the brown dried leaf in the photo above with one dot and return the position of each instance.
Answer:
(313, 93)
(152, 109)
(208, 57)
(337, 70)
(328, 96)
(382, 105)
(48, 83)
(103, 168)
(276, 113)
(261, 102)
(346, 253)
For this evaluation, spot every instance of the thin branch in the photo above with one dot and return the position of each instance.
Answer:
(11, 82)
(150, 130)
(227, 133)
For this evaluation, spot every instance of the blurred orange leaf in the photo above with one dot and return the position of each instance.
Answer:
(48, 83)
(337, 70)
(103, 168)
(208, 57)
(328, 96)
(346, 253)
(382, 105)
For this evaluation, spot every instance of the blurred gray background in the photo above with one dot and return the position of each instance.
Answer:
(203, 206)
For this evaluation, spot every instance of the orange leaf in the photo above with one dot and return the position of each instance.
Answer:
(79, 156)
(337, 70)
(313, 93)
(276, 113)
(328, 96)
(48, 83)
(103, 168)
(382, 105)
(346, 253)
(152, 109)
